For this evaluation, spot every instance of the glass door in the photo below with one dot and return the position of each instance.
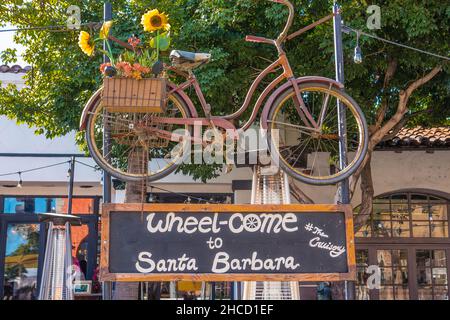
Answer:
(21, 263)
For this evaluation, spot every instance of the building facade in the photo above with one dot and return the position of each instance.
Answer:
(405, 240)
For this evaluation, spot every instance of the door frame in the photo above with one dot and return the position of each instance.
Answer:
(91, 220)
(5, 220)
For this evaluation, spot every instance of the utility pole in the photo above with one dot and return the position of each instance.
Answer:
(343, 187)
(71, 181)
(107, 16)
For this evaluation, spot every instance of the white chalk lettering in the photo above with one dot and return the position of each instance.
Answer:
(223, 264)
(146, 264)
(335, 250)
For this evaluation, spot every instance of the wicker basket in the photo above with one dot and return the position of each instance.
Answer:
(134, 96)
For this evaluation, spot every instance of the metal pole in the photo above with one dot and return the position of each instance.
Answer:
(343, 187)
(107, 286)
(71, 181)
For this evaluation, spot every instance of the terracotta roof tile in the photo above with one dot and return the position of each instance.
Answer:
(419, 137)
(14, 69)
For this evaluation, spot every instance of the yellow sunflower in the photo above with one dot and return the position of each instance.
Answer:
(104, 31)
(85, 43)
(154, 20)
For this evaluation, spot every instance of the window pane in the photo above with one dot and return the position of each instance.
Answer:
(382, 199)
(382, 228)
(364, 231)
(362, 257)
(420, 212)
(441, 293)
(400, 211)
(21, 262)
(387, 293)
(386, 276)
(439, 229)
(439, 258)
(362, 293)
(381, 212)
(400, 229)
(399, 258)
(384, 258)
(439, 212)
(419, 198)
(399, 198)
(424, 276)
(436, 200)
(425, 293)
(421, 229)
(401, 293)
(423, 258)
(401, 276)
(440, 276)
(361, 276)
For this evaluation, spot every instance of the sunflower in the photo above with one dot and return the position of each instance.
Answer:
(85, 43)
(104, 31)
(154, 20)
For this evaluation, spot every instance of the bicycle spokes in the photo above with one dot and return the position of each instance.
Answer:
(313, 152)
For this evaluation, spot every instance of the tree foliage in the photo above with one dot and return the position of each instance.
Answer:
(63, 79)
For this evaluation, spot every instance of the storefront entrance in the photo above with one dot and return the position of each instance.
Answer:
(406, 272)
(23, 238)
(406, 237)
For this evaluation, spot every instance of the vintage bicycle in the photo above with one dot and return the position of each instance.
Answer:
(301, 110)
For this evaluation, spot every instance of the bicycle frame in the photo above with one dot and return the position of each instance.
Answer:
(226, 122)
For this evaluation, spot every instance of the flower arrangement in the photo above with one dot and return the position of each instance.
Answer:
(142, 57)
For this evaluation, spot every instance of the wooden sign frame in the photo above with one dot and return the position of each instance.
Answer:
(106, 275)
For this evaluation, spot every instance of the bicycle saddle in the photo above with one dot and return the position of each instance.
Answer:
(185, 60)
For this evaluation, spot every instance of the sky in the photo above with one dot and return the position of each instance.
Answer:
(7, 41)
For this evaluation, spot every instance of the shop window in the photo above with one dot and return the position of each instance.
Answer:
(32, 205)
(21, 262)
(432, 280)
(407, 215)
(394, 274)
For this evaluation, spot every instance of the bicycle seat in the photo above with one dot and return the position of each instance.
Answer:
(185, 60)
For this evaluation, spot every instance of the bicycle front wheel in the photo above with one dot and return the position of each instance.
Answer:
(309, 154)
(135, 151)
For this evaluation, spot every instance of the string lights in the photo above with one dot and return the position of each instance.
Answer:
(19, 184)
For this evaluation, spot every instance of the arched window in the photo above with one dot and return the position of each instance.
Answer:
(403, 248)
(407, 214)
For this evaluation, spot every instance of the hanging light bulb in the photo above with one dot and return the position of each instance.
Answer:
(19, 184)
(357, 58)
(151, 196)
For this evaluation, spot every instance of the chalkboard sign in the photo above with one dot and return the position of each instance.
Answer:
(160, 242)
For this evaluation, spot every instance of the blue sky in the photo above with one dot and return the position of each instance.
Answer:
(7, 41)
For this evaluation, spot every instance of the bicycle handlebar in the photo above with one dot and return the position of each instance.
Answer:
(284, 34)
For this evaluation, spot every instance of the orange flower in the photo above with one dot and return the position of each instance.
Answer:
(103, 66)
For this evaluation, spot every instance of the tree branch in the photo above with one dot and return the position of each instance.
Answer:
(390, 71)
(298, 194)
(402, 108)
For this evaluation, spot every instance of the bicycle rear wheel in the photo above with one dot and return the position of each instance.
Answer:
(135, 152)
(312, 156)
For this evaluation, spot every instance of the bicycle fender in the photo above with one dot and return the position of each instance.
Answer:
(94, 100)
(287, 85)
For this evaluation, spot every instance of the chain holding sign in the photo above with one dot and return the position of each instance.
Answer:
(227, 242)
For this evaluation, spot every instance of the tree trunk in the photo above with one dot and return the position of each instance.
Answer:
(367, 193)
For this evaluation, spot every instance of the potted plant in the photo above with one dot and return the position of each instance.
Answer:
(131, 82)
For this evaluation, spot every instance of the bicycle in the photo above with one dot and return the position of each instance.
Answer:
(301, 110)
